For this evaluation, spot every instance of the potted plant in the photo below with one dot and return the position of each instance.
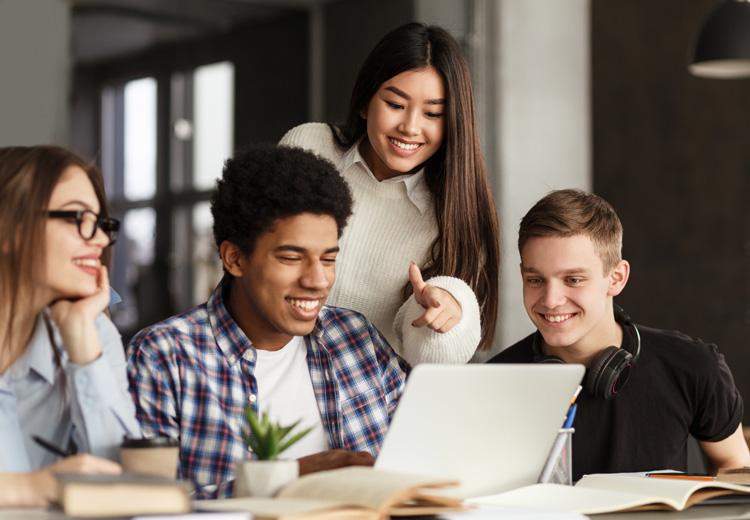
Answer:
(265, 474)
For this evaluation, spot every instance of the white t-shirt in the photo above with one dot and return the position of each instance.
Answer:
(286, 392)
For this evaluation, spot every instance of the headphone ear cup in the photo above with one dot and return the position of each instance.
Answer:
(609, 373)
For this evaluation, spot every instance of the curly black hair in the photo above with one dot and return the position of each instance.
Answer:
(262, 184)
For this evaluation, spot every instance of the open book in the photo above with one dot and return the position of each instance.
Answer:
(353, 492)
(602, 493)
(737, 476)
(122, 495)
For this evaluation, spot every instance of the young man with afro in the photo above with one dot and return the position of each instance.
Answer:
(265, 337)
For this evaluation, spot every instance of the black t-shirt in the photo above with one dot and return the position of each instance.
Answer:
(678, 386)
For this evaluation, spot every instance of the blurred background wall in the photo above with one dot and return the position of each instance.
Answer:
(35, 70)
(583, 93)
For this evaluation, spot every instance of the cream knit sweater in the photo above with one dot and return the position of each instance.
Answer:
(385, 232)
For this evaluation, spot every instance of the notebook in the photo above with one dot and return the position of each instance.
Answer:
(489, 426)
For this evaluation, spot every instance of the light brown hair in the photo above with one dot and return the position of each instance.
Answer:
(28, 176)
(468, 241)
(566, 213)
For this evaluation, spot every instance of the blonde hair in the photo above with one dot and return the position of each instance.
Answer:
(28, 176)
(566, 213)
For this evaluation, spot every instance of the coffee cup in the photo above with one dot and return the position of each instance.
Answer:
(156, 456)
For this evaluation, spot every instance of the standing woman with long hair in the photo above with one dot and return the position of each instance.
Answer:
(62, 365)
(420, 257)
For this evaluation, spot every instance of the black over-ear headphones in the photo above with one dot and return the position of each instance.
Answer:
(610, 370)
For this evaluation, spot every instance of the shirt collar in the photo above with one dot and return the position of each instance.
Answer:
(416, 187)
(230, 338)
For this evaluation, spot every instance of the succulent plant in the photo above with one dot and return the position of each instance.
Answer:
(268, 439)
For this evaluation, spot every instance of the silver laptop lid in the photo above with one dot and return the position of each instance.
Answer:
(489, 426)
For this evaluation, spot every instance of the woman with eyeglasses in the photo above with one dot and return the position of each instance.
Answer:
(63, 387)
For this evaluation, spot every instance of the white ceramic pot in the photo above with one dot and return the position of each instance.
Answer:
(263, 478)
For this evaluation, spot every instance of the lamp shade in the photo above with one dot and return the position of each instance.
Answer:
(722, 49)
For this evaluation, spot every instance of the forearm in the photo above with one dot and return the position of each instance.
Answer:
(81, 340)
(734, 461)
(728, 453)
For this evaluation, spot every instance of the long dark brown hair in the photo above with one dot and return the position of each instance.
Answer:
(467, 245)
(28, 176)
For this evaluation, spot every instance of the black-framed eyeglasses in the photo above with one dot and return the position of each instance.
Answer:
(88, 222)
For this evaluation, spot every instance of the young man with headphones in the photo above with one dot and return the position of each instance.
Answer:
(645, 389)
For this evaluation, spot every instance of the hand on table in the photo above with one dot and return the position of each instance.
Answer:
(333, 459)
(42, 486)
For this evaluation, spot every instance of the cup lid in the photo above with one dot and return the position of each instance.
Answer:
(150, 442)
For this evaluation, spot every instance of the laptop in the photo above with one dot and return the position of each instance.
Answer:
(489, 426)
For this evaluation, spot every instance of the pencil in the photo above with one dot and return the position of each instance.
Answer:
(575, 395)
(49, 446)
(678, 476)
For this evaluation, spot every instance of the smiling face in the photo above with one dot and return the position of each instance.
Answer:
(72, 264)
(568, 295)
(405, 122)
(279, 289)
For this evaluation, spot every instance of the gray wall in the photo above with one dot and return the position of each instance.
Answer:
(35, 65)
(537, 126)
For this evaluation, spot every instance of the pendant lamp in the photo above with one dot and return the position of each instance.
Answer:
(722, 48)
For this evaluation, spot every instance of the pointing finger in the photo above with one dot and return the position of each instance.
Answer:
(417, 283)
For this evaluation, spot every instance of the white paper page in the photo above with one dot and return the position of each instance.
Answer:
(509, 513)
(556, 497)
(264, 506)
(199, 516)
(672, 491)
(356, 485)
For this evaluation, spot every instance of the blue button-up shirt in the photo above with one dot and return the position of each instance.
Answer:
(193, 375)
(83, 405)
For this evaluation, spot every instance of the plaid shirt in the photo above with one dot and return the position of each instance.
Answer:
(192, 375)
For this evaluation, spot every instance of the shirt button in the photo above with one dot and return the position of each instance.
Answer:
(252, 398)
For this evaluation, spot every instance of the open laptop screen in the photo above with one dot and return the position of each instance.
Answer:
(488, 426)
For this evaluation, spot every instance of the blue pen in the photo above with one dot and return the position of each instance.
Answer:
(571, 416)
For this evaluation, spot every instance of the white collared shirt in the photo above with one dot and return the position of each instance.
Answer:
(416, 187)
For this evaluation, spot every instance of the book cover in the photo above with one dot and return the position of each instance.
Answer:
(353, 492)
(89, 496)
